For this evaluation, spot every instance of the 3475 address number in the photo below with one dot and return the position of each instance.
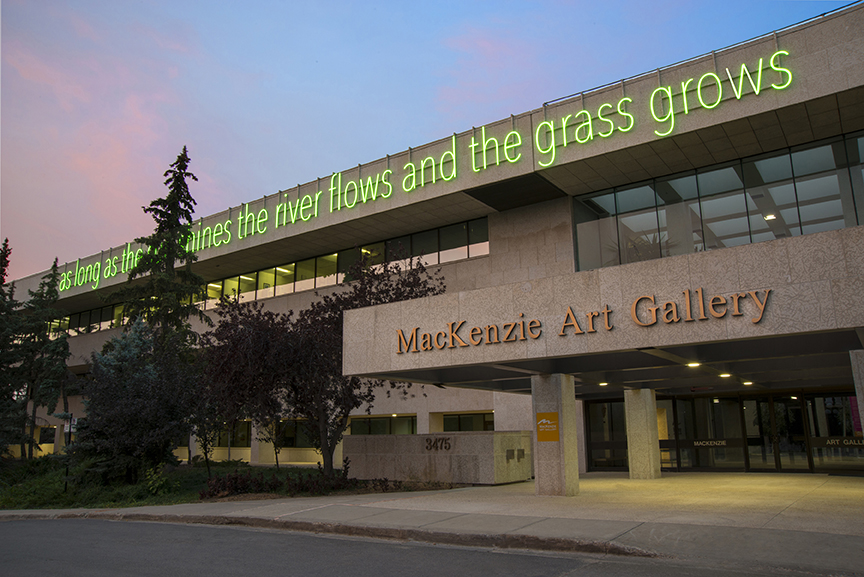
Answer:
(438, 444)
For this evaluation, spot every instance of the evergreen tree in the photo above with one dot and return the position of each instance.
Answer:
(138, 402)
(43, 350)
(165, 297)
(13, 406)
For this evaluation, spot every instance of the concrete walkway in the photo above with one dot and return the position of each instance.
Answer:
(811, 523)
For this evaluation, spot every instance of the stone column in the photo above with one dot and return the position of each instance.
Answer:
(857, 358)
(556, 435)
(583, 439)
(254, 452)
(643, 444)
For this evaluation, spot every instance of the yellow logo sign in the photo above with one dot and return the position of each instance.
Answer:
(547, 427)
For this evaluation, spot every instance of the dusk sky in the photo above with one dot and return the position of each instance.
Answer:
(98, 98)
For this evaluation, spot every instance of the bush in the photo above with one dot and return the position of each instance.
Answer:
(236, 483)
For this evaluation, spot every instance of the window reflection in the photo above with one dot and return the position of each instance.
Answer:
(808, 189)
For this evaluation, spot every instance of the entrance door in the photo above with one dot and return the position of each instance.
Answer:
(790, 434)
(775, 434)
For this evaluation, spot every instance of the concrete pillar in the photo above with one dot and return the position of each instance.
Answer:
(255, 449)
(556, 435)
(643, 444)
(583, 439)
(423, 419)
(857, 358)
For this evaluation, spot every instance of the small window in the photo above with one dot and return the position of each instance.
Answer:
(454, 242)
(305, 275)
(266, 283)
(46, 435)
(325, 270)
(285, 279)
(425, 245)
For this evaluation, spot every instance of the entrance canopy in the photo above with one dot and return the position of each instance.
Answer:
(779, 363)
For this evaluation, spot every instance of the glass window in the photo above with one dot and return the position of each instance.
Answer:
(453, 242)
(106, 318)
(374, 252)
(679, 216)
(835, 431)
(344, 261)
(305, 275)
(266, 283)
(855, 155)
(285, 279)
(478, 237)
(469, 422)
(709, 433)
(240, 437)
(724, 208)
(74, 321)
(247, 286)
(638, 229)
(607, 435)
(231, 287)
(214, 293)
(824, 191)
(118, 318)
(398, 248)
(326, 270)
(294, 434)
(771, 203)
(425, 244)
(46, 435)
(403, 425)
(596, 231)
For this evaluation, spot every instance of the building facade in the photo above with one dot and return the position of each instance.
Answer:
(661, 273)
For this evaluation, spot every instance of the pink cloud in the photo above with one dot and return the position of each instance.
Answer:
(483, 74)
(66, 88)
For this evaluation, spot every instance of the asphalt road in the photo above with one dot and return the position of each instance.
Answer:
(72, 547)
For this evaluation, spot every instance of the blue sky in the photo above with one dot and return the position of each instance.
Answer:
(98, 98)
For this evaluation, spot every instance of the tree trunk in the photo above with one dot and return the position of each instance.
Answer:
(32, 432)
(326, 449)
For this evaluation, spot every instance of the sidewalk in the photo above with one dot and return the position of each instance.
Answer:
(811, 523)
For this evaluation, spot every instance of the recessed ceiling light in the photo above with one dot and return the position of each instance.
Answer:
(693, 364)
(770, 217)
(725, 375)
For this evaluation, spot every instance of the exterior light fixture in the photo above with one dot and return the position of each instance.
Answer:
(770, 217)
(393, 415)
(725, 375)
(602, 384)
(694, 364)
(794, 398)
(717, 401)
(748, 383)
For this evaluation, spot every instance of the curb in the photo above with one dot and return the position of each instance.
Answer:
(499, 540)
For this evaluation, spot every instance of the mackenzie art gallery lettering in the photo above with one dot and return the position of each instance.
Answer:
(645, 311)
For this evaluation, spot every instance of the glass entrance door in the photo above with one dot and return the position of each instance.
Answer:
(758, 423)
(790, 434)
(775, 434)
